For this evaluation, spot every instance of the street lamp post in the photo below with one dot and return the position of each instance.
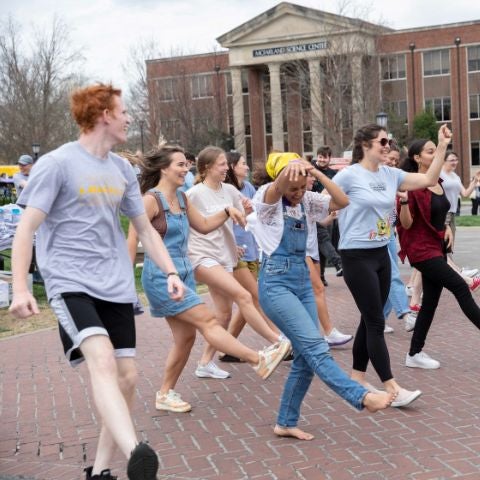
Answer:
(35, 150)
(142, 124)
(382, 119)
(412, 58)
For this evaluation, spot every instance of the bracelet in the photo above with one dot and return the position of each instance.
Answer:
(226, 209)
(403, 202)
(169, 274)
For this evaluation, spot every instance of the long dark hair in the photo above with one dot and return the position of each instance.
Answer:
(409, 164)
(367, 133)
(154, 162)
(232, 159)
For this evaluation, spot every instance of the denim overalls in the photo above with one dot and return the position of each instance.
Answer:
(155, 281)
(286, 296)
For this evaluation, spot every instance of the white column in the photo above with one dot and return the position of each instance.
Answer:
(238, 111)
(276, 106)
(358, 106)
(316, 103)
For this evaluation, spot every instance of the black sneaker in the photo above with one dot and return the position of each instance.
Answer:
(325, 283)
(104, 474)
(229, 358)
(143, 463)
(339, 272)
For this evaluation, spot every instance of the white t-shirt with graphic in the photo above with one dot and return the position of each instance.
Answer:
(367, 222)
(80, 245)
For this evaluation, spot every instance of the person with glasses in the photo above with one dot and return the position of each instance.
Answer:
(365, 228)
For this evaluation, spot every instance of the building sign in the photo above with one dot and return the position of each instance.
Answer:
(301, 48)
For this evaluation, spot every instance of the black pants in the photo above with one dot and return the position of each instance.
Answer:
(475, 203)
(326, 249)
(367, 273)
(436, 275)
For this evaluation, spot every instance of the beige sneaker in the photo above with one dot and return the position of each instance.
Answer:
(171, 402)
(271, 357)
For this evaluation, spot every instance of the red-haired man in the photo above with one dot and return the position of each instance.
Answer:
(73, 200)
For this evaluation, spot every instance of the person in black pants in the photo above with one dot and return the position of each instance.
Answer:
(326, 249)
(424, 239)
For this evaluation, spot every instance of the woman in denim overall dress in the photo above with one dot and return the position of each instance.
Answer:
(171, 215)
(286, 294)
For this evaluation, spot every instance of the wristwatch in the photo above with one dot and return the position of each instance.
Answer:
(403, 202)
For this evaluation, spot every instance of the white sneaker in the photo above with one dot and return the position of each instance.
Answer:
(270, 357)
(210, 370)
(388, 329)
(337, 338)
(410, 320)
(405, 397)
(171, 402)
(421, 360)
(469, 272)
(409, 290)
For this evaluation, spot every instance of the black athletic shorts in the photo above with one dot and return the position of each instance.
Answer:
(80, 316)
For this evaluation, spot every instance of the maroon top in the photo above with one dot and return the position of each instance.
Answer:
(422, 240)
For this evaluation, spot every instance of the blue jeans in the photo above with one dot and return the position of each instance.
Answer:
(286, 296)
(397, 298)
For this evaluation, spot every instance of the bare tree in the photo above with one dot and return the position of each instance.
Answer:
(35, 82)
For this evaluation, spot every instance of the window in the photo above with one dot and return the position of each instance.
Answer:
(393, 67)
(436, 63)
(166, 89)
(228, 79)
(474, 106)
(398, 108)
(171, 130)
(475, 151)
(202, 86)
(440, 107)
(474, 59)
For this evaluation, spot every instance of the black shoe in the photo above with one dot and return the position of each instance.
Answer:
(104, 474)
(339, 272)
(143, 463)
(229, 358)
(324, 281)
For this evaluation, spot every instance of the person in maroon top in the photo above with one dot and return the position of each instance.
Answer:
(424, 239)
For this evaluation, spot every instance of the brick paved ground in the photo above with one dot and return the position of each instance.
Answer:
(49, 427)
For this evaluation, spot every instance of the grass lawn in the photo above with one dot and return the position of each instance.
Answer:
(468, 221)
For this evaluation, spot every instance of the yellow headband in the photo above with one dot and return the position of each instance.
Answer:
(277, 161)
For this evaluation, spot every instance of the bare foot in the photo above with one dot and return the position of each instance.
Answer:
(378, 401)
(293, 432)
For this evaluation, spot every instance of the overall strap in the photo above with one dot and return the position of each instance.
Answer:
(182, 199)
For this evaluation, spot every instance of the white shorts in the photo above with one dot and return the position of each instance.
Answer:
(210, 262)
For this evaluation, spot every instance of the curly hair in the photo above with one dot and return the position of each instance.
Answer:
(87, 104)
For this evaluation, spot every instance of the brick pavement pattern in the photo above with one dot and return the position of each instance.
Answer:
(49, 427)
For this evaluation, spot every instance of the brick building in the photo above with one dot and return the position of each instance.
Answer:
(294, 78)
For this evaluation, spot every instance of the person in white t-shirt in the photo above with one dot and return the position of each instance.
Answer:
(214, 255)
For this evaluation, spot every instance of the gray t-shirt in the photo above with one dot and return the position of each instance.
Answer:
(367, 222)
(80, 245)
(452, 186)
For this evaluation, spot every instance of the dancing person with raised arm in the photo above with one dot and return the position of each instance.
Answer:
(424, 239)
(283, 209)
(171, 215)
(365, 227)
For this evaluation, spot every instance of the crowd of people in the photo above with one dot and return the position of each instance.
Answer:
(263, 248)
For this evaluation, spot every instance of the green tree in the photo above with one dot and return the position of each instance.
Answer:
(425, 126)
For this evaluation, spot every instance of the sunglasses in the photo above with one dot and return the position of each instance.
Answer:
(385, 141)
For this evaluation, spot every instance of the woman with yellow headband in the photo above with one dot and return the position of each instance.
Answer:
(283, 208)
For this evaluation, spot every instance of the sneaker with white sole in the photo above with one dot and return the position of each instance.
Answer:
(469, 272)
(421, 360)
(405, 397)
(336, 338)
(171, 402)
(211, 370)
(388, 329)
(271, 357)
(410, 320)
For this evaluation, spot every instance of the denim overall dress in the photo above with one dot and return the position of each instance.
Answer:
(286, 297)
(155, 281)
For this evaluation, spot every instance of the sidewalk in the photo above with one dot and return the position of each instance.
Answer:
(49, 427)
